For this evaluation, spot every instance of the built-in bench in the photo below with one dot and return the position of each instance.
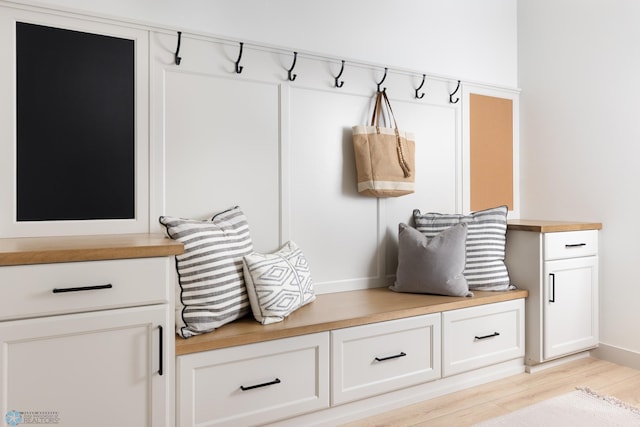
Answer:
(348, 355)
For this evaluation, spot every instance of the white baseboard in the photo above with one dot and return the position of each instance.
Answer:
(550, 364)
(352, 411)
(617, 355)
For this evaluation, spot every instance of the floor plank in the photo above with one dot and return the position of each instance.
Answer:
(466, 407)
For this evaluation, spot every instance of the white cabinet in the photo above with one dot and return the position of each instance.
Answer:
(570, 306)
(481, 336)
(88, 342)
(89, 369)
(560, 271)
(255, 383)
(380, 357)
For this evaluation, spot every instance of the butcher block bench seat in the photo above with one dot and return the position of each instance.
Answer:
(338, 310)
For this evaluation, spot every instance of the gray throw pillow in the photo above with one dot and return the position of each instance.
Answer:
(432, 265)
(485, 269)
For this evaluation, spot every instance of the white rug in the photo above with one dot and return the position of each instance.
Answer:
(582, 408)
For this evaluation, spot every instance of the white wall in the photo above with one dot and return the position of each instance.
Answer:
(580, 136)
(466, 39)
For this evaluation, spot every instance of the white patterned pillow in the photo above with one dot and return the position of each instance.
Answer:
(212, 289)
(485, 247)
(278, 283)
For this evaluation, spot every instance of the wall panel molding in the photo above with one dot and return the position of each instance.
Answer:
(282, 150)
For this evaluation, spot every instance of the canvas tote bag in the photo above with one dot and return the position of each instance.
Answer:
(385, 157)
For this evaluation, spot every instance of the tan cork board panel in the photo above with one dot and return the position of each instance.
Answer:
(491, 152)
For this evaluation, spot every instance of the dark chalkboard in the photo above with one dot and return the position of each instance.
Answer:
(75, 125)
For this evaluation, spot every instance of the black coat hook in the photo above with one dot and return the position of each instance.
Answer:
(177, 58)
(238, 66)
(293, 77)
(454, 92)
(383, 77)
(424, 77)
(340, 84)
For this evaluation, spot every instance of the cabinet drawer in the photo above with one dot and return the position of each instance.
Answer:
(481, 336)
(45, 289)
(570, 244)
(377, 358)
(254, 383)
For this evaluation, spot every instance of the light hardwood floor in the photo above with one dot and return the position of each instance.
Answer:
(476, 404)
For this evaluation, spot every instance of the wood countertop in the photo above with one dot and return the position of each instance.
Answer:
(544, 226)
(338, 310)
(44, 250)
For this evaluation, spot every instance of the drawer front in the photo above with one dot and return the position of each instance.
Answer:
(255, 383)
(46, 289)
(377, 358)
(570, 244)
(481, 336)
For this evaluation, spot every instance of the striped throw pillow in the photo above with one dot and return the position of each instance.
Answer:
(485, 247)
(212, 287)
(278, 283)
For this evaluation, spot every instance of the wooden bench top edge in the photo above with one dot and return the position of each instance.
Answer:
(335, 311)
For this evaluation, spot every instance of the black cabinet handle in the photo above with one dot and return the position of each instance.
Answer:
(484, 337)
(160, 359)
(82, 288)
(575, 245)
(382, 359)
(251, 387)
(553, 287)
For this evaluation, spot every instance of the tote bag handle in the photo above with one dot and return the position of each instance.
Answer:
(375, 121)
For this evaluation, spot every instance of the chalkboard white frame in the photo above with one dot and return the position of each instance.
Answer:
(10, 225)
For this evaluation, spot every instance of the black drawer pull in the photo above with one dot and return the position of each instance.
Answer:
(495, 334)
(382, 359)
(161, 347)
(82, 288)
(251, 387)
(575, 245)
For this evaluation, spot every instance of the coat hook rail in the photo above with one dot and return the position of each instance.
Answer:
(454, 92)
(239, 67)
(340, 84)
(292, 77)
(177, 58)
(383, 78)
(424, 78)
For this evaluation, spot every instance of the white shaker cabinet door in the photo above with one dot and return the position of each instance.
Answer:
(90, 369)
(570, 300)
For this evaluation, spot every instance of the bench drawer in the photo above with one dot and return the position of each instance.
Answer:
(570, 244)
(47, 289)
(255, 383)
(377, 358)
(481, 336)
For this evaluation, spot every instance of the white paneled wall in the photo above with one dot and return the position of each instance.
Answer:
(282, 151)
(209, 138)
(221, 148)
